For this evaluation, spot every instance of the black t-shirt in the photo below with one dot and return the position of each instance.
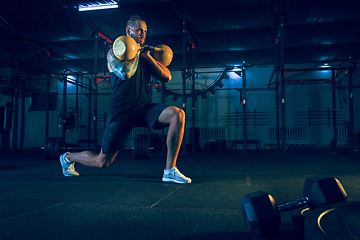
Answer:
(132, 94)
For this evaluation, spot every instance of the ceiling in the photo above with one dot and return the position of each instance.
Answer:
(224, 32)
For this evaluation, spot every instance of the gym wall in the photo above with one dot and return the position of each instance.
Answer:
(212, 112)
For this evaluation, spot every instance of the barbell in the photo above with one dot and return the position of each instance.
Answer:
(125, 48)
(262, 215)
(55, 146)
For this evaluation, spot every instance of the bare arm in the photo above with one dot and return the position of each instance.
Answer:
(123, 69)
(159, 71)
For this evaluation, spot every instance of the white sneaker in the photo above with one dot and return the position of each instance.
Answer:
(175, 176)
(68, 167)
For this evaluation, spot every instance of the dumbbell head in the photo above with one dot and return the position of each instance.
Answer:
(261, 215)
(317, 191)
(323, 190)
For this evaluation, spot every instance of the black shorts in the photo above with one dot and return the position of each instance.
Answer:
(118, 128)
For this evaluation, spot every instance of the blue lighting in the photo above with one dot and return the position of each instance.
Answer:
(325, 65)
(98, 6)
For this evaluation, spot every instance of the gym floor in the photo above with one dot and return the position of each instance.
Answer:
(128, 200)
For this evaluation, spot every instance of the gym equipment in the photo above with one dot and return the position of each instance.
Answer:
(262, 216)
(297, 221)
(55, 146)
(336, 221)
(8, 116)
(141, 147)
(125, 48)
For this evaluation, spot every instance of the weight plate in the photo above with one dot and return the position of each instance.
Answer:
(144, 148)
(58, 147)
(49, 148)
(141, 148)
(137, 149)
(54, 147)
(337, 222)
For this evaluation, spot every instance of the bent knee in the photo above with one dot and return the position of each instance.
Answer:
(172, 115)
(177, 113)
(105, 165)
(103, 162)
(181, 114)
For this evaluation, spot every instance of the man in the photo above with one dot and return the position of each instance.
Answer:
(130, 107)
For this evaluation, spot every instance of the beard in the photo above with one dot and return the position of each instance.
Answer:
(137, 39)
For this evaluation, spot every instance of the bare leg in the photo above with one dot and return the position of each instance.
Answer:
(176, 118)
(90, 159)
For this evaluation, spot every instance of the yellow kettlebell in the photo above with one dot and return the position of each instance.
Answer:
(125, 48)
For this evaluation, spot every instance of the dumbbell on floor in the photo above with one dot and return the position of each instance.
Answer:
(262, 215)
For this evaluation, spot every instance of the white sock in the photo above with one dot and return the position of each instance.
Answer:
(66, 159)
